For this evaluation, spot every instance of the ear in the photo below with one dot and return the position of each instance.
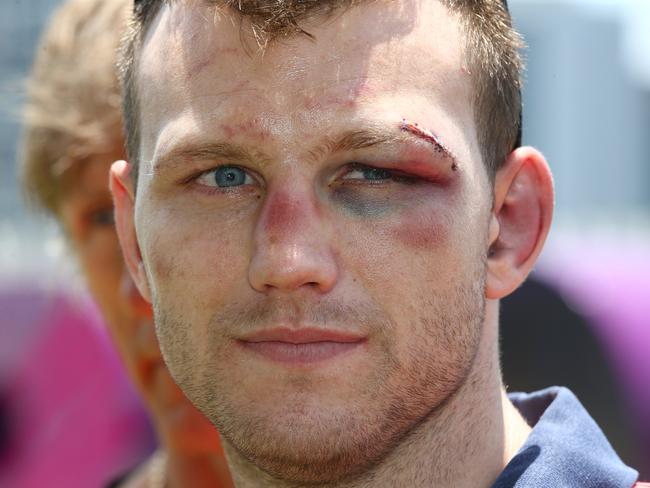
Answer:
(121, 185)
(521, 218)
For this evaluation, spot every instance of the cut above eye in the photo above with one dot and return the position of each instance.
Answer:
(225, 177)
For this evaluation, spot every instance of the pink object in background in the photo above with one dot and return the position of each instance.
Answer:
(607, 278)
(72, 416)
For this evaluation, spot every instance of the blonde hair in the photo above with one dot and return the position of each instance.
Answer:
(73, 98)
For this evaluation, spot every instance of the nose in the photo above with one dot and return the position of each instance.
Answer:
(292, 245)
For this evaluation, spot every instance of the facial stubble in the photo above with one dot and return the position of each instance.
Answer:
(304, 438)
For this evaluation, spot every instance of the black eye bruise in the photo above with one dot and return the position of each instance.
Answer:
(369, 172)
(358, 205)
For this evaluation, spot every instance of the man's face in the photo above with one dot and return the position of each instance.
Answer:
(317, 272)
(86, 212)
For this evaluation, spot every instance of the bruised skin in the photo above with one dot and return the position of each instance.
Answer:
(416, 223)
(415, 207)
(425, 229)
(283, 213)
(421, 230)
(413, 202)
(417, 210)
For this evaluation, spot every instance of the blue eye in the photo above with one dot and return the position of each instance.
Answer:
(376, 174)
(229, 176)
(225, 177)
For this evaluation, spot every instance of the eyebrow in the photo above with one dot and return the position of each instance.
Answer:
(360, 139)
(354, 139)
(183, 153)
(348, 141)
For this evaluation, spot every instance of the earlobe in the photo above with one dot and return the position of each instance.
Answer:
(520, 221)
(123, 192)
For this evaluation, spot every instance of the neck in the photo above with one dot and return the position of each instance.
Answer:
(464, 443)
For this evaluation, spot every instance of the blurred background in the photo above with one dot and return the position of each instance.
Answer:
(583, 319)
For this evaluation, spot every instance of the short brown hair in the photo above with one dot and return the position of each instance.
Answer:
(492, 47)
(73, 97)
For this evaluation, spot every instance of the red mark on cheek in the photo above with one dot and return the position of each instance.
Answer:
(421, 232)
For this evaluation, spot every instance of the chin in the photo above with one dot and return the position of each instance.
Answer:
(309, 445)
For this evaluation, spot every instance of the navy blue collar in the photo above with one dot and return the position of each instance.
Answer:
(565, 448)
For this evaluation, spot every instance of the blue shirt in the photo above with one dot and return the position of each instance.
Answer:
(565, 448)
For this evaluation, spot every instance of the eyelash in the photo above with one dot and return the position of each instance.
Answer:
(393, 176)
(194, 180)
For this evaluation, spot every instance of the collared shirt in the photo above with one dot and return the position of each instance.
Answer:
(565, 448)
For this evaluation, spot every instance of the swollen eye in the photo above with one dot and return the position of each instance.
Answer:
(226, 176)
(368, 173)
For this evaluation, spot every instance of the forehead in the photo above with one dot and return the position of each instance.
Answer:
(365, 60)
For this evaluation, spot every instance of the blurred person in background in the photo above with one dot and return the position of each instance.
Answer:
(69, 416)
(73, 133)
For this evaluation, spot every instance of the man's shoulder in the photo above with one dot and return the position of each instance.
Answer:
(565, 447)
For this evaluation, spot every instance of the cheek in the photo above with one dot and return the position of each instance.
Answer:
(392, 227)
(419, 231)
(199, 255)
(411, 247)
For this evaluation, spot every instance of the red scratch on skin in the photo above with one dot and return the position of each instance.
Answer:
(252, 128)
(361, 88)
(427, 135)
(197, 68)
(201, 64)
